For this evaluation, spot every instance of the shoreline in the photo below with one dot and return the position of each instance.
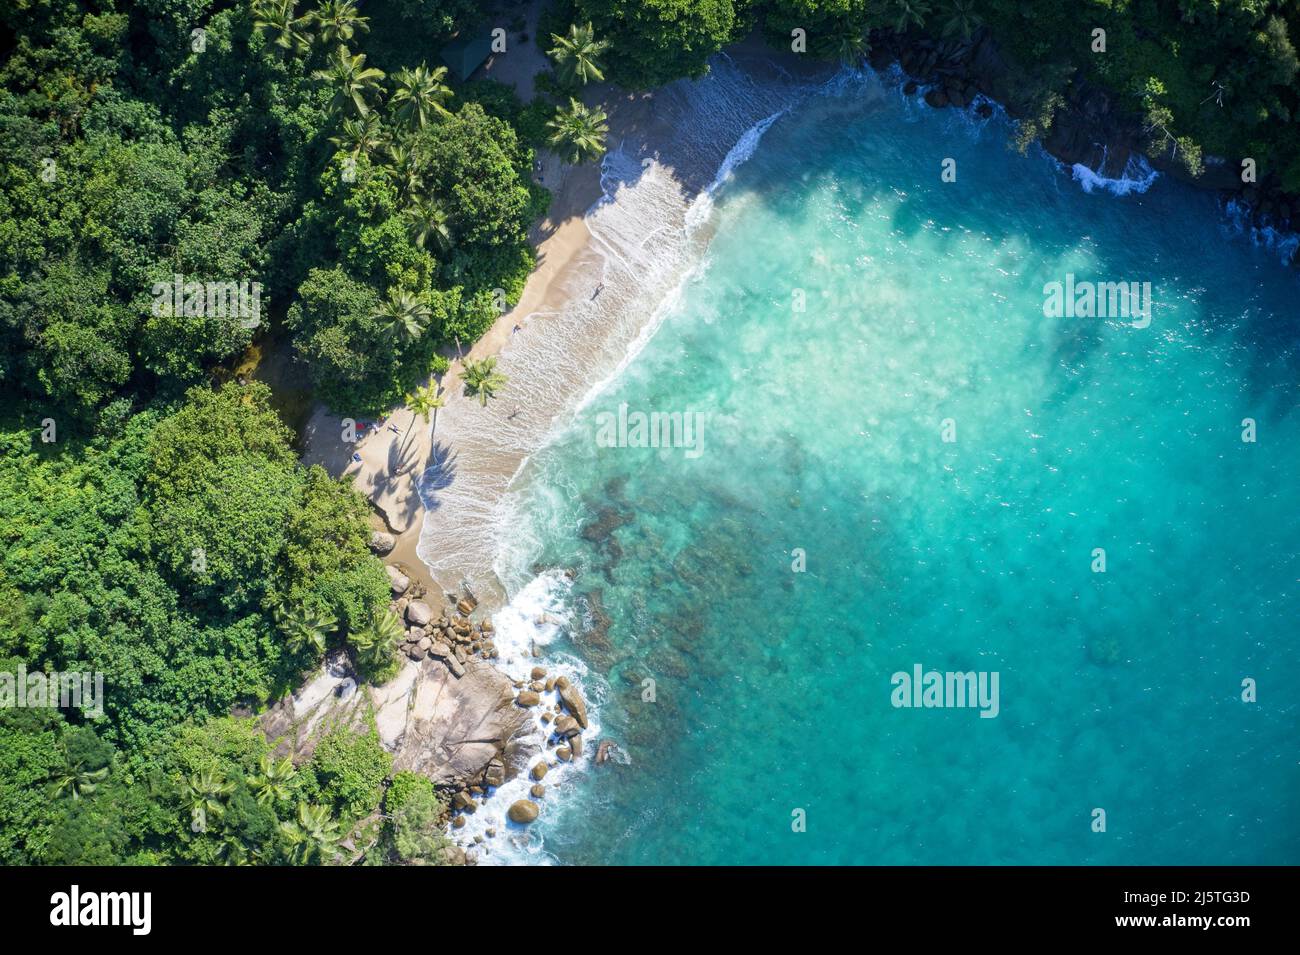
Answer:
(626, 241)
(558, 240)
(394, 454)
(567, 246)
(1088, 131)
(559, 237)
(571, 263)
(389, 467)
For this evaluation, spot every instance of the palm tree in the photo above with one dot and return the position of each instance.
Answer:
(303, 629)
(427, 224)
(420, 93)
(272, 784)
(962, 18)
(404, 169)
(575, 55)
(482, 379)
(312, 833)
(352, 81)
(909, 13)
(425, 400)
(403, 315)
(850, 47)
(203, 793)
(275, 18)
(578, 133)
(72, 778)
(376, 642)
(361, 136)
(338, 21)
(233, 851)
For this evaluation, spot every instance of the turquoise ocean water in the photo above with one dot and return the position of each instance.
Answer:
(822, 430)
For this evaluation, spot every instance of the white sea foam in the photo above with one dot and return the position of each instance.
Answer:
(1138, 176)
(702, 207)
(536, 617)
(696, 216)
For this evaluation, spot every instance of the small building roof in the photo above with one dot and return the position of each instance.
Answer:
(467, 51)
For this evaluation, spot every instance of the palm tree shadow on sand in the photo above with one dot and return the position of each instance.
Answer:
(403, 457)
(438, 475)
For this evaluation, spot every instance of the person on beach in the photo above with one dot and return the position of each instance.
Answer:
(599, 288)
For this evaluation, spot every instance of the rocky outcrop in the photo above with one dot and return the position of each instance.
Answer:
(449, 714)
(452, 730)
(456, 730)
(328, 700)
(606, 751)
(381, 542)
(397, 580)
(495, 773)
(1088, 128)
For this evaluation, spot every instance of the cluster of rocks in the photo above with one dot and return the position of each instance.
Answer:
(565, 718)
(950, 68)
(454, 638)
(469, 798)
(1270, 211)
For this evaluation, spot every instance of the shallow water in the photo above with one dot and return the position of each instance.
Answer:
(823, 433)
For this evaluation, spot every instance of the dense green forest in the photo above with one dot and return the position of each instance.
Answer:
(156, 526)
(155, 523)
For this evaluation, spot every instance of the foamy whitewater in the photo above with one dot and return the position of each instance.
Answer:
(623, 567)
(535, 617)
(1137, 177)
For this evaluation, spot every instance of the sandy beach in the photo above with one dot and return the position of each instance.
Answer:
(565, 326)
(387, 459)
